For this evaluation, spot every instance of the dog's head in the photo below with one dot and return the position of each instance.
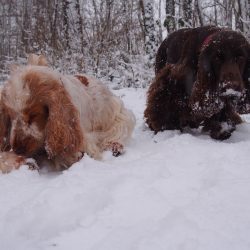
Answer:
(222, 63)
(38, 112)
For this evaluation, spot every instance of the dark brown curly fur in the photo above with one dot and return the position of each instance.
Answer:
(202, 78)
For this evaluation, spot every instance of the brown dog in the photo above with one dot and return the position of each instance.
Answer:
(200, 74)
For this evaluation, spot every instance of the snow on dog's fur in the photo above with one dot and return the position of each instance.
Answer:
(201, 80)
(45, 113)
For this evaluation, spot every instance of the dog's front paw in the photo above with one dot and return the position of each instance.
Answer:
(217, 135)
(116, 148)
(223, 131)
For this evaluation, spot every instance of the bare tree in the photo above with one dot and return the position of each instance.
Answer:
(53, 23)
(198, 13)
(169, 22)
(243, 16)
(149, 27)
(228, 12)
(186, 10)
(108, 38)
(65, 9)
(159, 21)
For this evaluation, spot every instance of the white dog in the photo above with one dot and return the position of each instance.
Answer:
(45, 114)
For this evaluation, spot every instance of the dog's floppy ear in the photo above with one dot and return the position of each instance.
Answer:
(63, 132)
(244, 105)
(4, 128)
(246, 74)
(39, 60)
(204, 99)
(205, 74)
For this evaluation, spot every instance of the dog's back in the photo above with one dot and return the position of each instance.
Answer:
(172, 48)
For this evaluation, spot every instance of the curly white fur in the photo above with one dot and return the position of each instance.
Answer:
(103, 117)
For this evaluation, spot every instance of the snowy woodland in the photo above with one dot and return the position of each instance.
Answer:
(170, 191)
(111, 39)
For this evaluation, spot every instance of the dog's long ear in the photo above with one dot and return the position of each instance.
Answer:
(205, 74)
(246, 76)
(39, 60)
(64, 136)
(4, 128)
(244, 105)
(204, 99)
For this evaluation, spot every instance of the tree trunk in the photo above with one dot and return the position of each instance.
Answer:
(159, 22)
(169, 22)
(54, 37)
(228, 13)
(25, 27)
(243, 17)
(151, 41)
(65, 7)
(79, 24)
(187, 13)
(199, 13)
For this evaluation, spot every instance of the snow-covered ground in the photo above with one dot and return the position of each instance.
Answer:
(169, 191)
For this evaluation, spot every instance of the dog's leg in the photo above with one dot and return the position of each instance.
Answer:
(116, 148)
(222, 124)
(118, 130)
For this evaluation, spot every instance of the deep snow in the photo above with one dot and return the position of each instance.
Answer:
(168, 191)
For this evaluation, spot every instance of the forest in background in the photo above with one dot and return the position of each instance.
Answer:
(115, 40)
